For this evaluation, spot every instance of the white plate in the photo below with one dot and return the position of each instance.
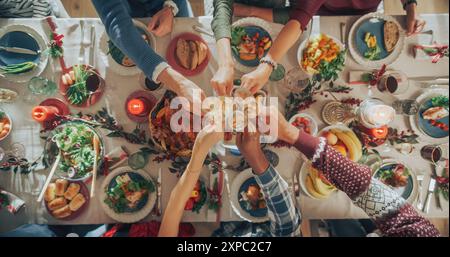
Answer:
(112, 64)
(304, 44)
(43, 60)
(314, 127)
(127, 217)
(392, 57)
(237, 183)
(413, 119)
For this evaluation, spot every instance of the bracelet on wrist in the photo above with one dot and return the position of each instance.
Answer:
(269, 61)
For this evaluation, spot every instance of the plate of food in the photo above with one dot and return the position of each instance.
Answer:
(376, 39)
(116, 60)
(128, 195)
(66, 200)
(5, 125)
(250, 41)
(188, 54)
(247, 198)
(21, 53)
(306, 122)
(314, 184)
(75, 141)
(343, 140)
(319, 53)
(82, 85)
(7, 95)
(399, 177)
(432, 120)
(176, 143)
(198, 197)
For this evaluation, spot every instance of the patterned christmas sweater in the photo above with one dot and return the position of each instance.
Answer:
(391, 213)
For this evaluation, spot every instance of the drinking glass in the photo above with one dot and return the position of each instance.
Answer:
(393, 82)
(406, 107)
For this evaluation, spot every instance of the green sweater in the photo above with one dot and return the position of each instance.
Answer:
(223, 13)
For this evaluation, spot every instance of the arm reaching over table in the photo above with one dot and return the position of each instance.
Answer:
(284, 217)
(206, 139)
(119, 26)
(391, 213)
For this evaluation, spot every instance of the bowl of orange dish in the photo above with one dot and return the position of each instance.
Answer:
(5, 125)
(320, 54)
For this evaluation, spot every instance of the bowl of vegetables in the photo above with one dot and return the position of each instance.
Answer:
(5, 125)
(321, 54)
(74, 140)
(82, 85)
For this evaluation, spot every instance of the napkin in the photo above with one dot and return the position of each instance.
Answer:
(12, 202)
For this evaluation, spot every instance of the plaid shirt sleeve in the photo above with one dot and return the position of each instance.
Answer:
(284, 217)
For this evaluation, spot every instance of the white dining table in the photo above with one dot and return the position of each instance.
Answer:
(337, 206)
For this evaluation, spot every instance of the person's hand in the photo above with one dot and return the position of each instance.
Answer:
(161, 23)
(286, 131)
(206, 139)
(414, 24)
(256, 79)
(250, 148)
(222, 82)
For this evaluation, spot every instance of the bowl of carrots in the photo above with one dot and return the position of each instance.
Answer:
(5, 125)
(320, 52)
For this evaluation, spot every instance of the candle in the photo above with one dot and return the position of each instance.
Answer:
(379, 133)
(44, 113)
(137, 106)
(379, 115)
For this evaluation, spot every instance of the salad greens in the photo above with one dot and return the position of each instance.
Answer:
(75, 141)
(236, 37)
(128, 193)
(330, 70)
(373, 53)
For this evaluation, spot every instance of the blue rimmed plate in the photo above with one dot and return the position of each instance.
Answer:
(240, 184)
(407, 192)
(24, 37)
(144, 206)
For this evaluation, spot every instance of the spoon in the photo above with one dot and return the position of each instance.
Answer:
(94, 171)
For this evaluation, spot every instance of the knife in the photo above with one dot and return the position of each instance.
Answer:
(429, 79)
(158, 206)
(92, 47)
(18, 50)
(431, 188)
(436, 195)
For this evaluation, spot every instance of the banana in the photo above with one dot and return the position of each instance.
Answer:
(310, 187)
(354, 152)
(355, 139)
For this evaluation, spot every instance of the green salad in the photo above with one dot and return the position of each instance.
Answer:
(75, 141)
(128, 192)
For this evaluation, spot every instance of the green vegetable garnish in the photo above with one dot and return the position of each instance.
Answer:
(17, 68)
(78, 93)
(236, 35)
(373, 53)
(440, 101)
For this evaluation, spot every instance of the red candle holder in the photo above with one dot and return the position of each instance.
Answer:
(372, 137)
(48, 110)
(138, 105)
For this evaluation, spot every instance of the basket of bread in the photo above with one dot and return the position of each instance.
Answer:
(66, 200)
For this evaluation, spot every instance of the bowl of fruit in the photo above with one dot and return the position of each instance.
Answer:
(306, 122)
(343, 140)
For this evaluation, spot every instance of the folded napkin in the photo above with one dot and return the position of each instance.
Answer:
(12, 202)
(427, 49)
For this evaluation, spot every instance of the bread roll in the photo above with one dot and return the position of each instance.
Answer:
(182, 53)
(50, 192)
(391, 35)
(61, 185)
(77, 202)
(202, 51)
(193, 54)
(57, 203)
(72, 191)
(62, 212)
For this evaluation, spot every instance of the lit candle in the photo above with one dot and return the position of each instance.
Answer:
(380, 132)
(379, 115)
(137, 106)
(44, 113)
